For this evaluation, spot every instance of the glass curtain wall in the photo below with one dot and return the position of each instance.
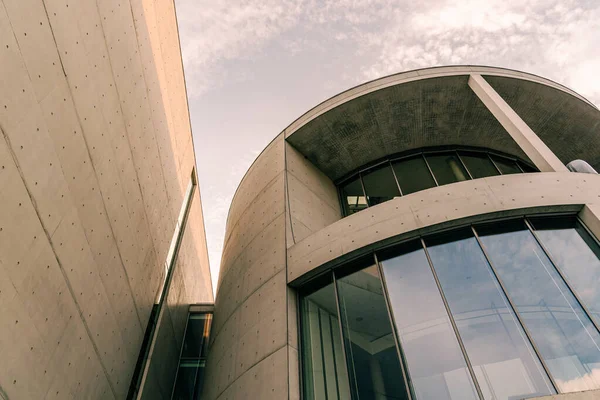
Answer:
(406, 175)
(190, 375)
(507, 310)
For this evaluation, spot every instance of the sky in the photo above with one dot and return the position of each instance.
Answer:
(253, 67)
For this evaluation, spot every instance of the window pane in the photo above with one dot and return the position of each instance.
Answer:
(353, 197)
(446, 168)
(479, 165)
(324, 370)
(370, 345)
(564, 335)
(196, 336)
(505, 165)
(436, 365)
(577, 255)
(527, 167)
(502, 358)
(413, 175)
(380, 185)
(186, 381)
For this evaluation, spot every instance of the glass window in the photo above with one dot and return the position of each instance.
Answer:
(526, 167)
(562, 332)
(190, 375)
(353, 197)
(413, 174)
(196, 336)
(506, 165)
(576, 254)
(370, 345)
(380, 185)
(324, 370)
(186, 384)
(504, 362)
(446, 168)
(436, 365)
(479, 165)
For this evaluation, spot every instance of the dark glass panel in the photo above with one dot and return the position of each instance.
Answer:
(371, 348)
(504, 362)
(186, 381)
(576, 254)
(562, 332)
(527, 168)
(324, 370)
(413, 174)
(353, 197)
(506, 165)
(435, 362)
(380, 185)
(446, 168)
(479, 165)
(196, 336)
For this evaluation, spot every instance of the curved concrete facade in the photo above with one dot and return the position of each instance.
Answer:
(285, 224)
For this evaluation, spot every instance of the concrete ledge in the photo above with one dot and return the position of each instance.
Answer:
(438, 208)
(587, 395)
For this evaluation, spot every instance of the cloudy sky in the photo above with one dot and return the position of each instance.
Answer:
(252, 67)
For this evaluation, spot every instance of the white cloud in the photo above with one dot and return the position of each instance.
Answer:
(556, 39)
(220, 30)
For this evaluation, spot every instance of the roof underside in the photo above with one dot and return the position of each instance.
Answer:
(444, 111)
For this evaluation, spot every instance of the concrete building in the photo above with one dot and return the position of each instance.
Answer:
(417, 237)
(96, 186)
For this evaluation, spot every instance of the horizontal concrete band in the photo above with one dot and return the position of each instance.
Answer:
(439, 208)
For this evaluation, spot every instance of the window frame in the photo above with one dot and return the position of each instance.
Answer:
(455, 150)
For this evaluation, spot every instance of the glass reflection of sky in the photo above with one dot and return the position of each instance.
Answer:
(576, 254)
(494, 340)
(436, 365)
(564, 335)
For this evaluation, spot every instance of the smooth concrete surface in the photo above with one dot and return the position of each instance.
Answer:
(528, 141)
(406, 216)
(312, 197)
(435, 107)
(95, 157)
(587, 395)
(248, 354)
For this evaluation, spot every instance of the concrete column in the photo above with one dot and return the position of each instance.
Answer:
(532, 145)
(590, 216)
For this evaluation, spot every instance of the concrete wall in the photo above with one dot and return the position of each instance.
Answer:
(95, 157)
(313, 201)
(249, 340)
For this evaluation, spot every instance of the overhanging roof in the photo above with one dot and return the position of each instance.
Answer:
(436, 107)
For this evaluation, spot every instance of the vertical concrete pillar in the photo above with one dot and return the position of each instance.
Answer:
(590, 216)
(543, 158)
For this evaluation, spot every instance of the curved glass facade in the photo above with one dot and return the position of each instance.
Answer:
(410, 173)
(503, 310)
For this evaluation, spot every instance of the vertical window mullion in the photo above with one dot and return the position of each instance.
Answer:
(353, 385)
(430, 171)
(402, 359)
(395, 178)
(494, 163)
(516, 312)
(362, 185)
(581, 303)
(464, 165)
(453, 323)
